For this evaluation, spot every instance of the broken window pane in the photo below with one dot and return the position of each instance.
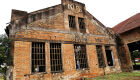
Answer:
(38, 57)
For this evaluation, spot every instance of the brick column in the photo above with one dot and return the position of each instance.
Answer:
(128, 58)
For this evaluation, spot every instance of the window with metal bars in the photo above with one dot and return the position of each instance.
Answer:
(100, 56)
(80, 56)
(81, 24)
(39, 16)
(56, 57)
(72, 23)
(38, 57)
(33, 17)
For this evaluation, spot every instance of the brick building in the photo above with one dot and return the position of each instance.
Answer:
(59, 43)
(129, 34)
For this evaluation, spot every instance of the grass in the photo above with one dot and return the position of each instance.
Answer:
(119, 76)
(138, 63)
(1, 78)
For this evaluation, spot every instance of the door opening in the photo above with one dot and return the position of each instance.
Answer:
(134, 49)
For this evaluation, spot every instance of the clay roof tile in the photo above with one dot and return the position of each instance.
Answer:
(130, 23)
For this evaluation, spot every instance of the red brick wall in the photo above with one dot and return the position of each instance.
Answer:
(22, 63)
(22, 59)
(57, 30)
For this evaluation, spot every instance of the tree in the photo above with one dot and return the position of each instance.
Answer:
(5, 58)
(135, 54)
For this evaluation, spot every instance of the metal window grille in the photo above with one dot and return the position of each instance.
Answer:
(100, 56)
(80, 56)
(81, 24)
(56, 57)
(38, 57)
(72, 23)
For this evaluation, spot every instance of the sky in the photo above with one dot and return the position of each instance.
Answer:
(109, 12)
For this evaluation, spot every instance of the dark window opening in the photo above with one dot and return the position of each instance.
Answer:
(134, 46)
(52, 11)
(72, 23)
(39, 15)
(56, 57)
(33, 18)
(47, 13)
(100, 56)
(81, 25)
(80, 56)
(109, 56)
(38, 57)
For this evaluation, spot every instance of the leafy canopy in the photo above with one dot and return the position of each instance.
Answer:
(4, 52)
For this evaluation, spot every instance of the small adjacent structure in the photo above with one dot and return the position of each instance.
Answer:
(63, 42)
(129, 34)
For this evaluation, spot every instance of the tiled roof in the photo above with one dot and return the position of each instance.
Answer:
(129, 24)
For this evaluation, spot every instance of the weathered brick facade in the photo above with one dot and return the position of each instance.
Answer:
(51, 25)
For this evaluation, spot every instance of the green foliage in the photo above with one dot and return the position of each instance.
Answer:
(138, 63)
(136, 54)
(1, 78)
(4, 53)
